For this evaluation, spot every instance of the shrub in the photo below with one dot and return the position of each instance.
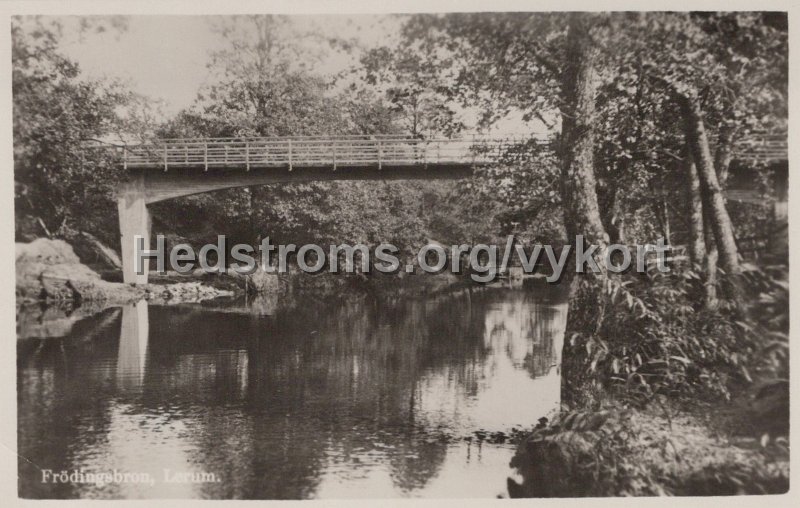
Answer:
(643, 336)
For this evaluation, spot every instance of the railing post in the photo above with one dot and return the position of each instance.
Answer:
(334, 155)
(247, 155)
(125, 157)
(205, 155)
(165, 156)
(290, 154)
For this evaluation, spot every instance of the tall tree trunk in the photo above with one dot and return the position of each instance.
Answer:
(697, 243)
(709, 263)
(710, 190)
(578, 186)
(724, 154)
(611, 212)
(702, 248)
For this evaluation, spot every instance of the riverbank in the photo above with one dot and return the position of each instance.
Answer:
(59, 283)
(664, 397)
(625, 451)
(50, 271)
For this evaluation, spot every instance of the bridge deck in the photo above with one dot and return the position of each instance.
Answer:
(360, 151)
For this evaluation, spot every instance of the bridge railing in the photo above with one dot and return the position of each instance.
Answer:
(762, 148)
(368, 151)
(336, 152)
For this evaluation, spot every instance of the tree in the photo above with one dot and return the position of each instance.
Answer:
(726, 67)
(266, 85)
(710, 190)
(59, 184)
(414, 87)
(513, 62)
(579, 194)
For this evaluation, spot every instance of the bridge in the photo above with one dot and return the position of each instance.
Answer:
(171, 168)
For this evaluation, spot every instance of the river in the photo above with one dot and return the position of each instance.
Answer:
(339, 398)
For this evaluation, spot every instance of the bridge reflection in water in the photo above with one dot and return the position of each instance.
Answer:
(363, 398)
(133, 336)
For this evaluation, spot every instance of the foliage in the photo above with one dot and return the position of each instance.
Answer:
(639, 453)
(646, 337)
(505, 64)
(395, 93)
(56, 111)
(415, 88)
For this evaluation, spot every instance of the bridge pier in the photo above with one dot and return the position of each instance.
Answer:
(134, 220)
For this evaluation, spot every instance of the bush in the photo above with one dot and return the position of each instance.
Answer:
(639, 453)
(643, 336)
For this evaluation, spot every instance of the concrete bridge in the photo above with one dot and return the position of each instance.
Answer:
(173, 168)
(180, 167)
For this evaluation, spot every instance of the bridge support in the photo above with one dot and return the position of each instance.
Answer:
(134, 220)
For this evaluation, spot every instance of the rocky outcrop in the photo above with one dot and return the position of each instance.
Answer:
(183, 292)
(50, 270)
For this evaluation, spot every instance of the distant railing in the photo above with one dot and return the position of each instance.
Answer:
(760, 148)
(360, 151)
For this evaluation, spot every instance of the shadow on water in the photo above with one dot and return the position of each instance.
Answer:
(348, 397)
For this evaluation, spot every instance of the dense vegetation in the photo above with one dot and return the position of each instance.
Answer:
(645, 110)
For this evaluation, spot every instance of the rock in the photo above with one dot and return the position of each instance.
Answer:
(183, 292)
(50, 270)
(43, 250)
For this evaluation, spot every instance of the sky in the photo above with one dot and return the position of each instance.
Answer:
(161, 57)
(166, 57)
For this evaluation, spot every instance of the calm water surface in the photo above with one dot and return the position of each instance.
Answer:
(347, 398)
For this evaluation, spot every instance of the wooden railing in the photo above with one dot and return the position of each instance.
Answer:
(359, 151)
(334, 152)
(762, 148)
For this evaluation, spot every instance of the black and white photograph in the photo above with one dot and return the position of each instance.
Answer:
(488, 253)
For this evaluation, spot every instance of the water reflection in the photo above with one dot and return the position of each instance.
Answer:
(133, 336)
(359, 398)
